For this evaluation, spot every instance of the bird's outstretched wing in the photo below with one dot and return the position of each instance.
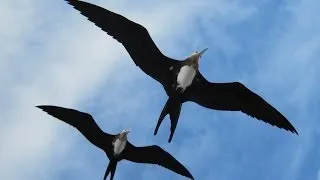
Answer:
(134, 37)
(234, 96)
(154, 155)
(83, 122)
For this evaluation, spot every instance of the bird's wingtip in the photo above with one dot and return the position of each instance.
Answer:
(38, 106)
(190, 176)
(42, 107)
(71, 1)
(293, 130)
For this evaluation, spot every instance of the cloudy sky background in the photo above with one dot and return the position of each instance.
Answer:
(50, 54)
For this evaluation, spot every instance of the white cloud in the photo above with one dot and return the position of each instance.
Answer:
(291, 65)
(53, 55)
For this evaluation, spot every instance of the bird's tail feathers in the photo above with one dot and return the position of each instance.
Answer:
(173, 108)
(112, 166)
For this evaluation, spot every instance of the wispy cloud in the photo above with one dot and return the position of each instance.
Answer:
(53, 55)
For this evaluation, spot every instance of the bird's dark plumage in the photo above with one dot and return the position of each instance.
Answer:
(87, 126)
(235, 96)
(147, 155)
(134, 37)
(83, 122)
(220, 96)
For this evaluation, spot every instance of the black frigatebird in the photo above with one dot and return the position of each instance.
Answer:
(116, 147)
(181, 79)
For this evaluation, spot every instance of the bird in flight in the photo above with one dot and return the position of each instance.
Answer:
(181, 79)
(117, 147)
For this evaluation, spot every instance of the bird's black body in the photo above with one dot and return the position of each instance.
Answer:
(175, 98)
(88, 127)
(232, 96)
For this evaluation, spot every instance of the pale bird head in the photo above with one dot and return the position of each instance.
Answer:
(197, 55)
(125, 131)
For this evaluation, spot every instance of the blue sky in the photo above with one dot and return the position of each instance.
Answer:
(53, 55)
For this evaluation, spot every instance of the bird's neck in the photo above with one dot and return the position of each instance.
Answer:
(122, 137)
(193, 63)
(195, 66)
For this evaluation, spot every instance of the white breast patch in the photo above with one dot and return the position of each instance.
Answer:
(118, 146)
(185, 77)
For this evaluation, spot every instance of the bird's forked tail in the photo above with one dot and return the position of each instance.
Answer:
(173, 108)
(112, 166)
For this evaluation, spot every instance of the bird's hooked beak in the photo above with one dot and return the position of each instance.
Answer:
(201, 53)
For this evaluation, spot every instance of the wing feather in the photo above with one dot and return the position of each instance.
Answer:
(155, 155)
(81, 121)
(234, 96)
(134, 37)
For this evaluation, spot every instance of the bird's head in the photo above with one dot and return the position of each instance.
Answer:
(125, 131)
(196, 56)
(123, 134)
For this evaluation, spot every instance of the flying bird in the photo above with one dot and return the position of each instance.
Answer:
(116, 147)
(181, 79)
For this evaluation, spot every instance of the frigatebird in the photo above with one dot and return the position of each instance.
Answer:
(181, 79)
(116, 147)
